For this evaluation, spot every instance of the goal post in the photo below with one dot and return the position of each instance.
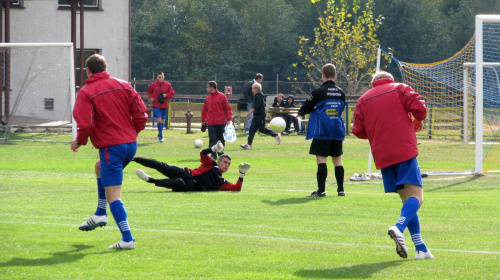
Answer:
(38, 85)
(480, 61)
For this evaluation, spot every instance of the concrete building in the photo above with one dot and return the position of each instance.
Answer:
(106, 31)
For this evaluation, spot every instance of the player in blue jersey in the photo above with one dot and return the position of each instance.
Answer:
(326, 128)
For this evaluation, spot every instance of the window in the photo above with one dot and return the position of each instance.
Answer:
(91, 4)
(49, 104)
(78, 67)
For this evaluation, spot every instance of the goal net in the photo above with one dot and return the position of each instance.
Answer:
(462, 95)
(38, 87)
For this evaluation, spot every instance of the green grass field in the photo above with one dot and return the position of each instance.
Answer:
(269, 230)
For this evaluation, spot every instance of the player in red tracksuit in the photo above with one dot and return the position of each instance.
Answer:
(207, 177)
(383, 116)
(216, 114)
(111, 113)
(160, 92)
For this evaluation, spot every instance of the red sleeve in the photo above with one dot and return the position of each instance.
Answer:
(171, 91)
(411, 102)
(232, 187)
(150, 90)
(204, 111)
(229, 110)
(358, 127)
(83, 114)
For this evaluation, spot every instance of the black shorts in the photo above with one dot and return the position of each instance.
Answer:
(326, 148)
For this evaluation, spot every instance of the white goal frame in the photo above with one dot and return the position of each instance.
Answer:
(71, 74)
(480, 64)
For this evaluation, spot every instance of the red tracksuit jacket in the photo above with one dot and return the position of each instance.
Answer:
(381, 116)
(109, 111)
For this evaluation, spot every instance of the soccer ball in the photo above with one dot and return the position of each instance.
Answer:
(277, 124)
(198, 143)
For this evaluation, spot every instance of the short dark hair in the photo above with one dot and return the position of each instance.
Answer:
(212, 84)
(96, 63)
(224, 156)
(329, 70)
(159, 73)
(258, 76)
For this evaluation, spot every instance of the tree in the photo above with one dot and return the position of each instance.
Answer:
(345, 37)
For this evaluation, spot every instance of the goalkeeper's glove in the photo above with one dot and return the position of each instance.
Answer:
(243, 168)
(218, 147)
(417, 125)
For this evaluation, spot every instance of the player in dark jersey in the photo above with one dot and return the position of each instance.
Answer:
(207, 177)
(326, 128)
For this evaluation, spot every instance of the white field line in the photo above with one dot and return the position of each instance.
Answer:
(237, 235)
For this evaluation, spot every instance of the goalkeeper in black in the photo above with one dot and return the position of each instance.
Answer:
(207, 177)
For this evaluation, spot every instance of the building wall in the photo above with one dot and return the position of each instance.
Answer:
(107, 29)
(37, 78)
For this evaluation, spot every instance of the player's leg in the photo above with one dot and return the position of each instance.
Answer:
(169, 170)
(336, 152)
(220, 135)
(249, 119)
(115, 159)
(320, 149)
(421, 250)
(157, 114)
(254, 126)
(100, 218)
(262, 128)
(212, 139)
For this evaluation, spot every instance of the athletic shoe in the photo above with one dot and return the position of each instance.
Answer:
(359, 177)
(341, 193)
(246, 146)
(160, 140)
(247, 132)
(92, 223)
(285, 132)
(419, 255)
(123, 245)
(278, 139)
(141, 174)
(317, 194)
(399, 239)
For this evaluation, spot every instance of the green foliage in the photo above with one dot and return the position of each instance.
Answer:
(346, 37)
(269, 230)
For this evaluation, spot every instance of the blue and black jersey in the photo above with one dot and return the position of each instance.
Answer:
(325, 107)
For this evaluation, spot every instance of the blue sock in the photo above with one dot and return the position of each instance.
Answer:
(160, 130)
(101, 202)
(409, 210)
(120, 216)
(416, 237)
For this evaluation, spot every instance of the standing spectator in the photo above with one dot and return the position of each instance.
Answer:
(111, 113)
(382, 115)
(259, 120)
(216, 114)
(326, 128)
(160, 92)
(248, 97)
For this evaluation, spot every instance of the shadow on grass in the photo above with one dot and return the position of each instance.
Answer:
(350, 272)
(57, 258)
(473, 178)
(287, 201)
